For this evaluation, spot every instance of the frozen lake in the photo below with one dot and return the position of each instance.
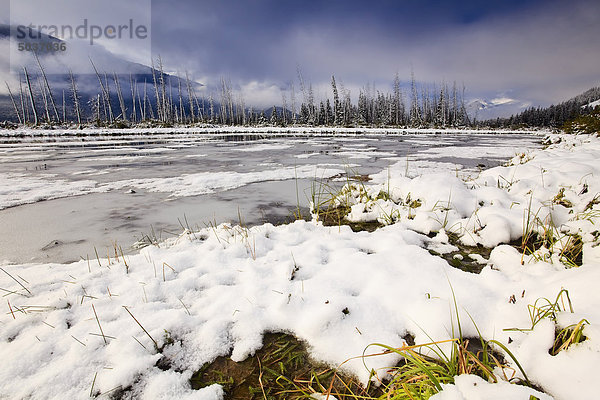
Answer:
(63, 196)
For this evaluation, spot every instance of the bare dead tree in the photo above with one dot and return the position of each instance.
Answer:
(64, 107)
(108, 99)
(31, 98)
(156, 89)
(200, 109)
(242, 110)
(181, 111)
(13, 102)
(139, 99)
(22, 99)
(96, 107)
(133, 88)
(45, 100)
(50, 95)
(75, 97)
(230, 102)
(105, 95)
(145, 100)
(293, 100)
(188, 88)
(284, 106)
(171, 104)
(223, 102)
(163, 89)
(120, 96)
(302, 86)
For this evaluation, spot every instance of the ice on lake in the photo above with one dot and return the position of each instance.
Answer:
(62, 197)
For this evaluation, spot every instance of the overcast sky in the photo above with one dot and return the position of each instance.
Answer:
(539, 51)
(535, 51)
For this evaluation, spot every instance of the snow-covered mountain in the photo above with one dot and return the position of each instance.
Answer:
(484, 109)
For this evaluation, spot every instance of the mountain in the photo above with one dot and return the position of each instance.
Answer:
(483, 109)
(554, 116)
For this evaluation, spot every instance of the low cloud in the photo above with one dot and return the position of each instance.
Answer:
(543, 53)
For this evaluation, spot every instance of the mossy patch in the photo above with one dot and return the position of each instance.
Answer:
(337, 216)
(462, 258)
(281, 369)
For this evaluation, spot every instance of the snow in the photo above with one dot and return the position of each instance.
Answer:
(489, 209)
(592, 104)
(17, 189)
(362, 153)
(471, 387)
(502, 100)
(210, 182)
(306, 155)
(466, 152)
(217, 291)
(263, 147)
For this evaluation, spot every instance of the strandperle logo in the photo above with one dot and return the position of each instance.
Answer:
(108, 32)
(84, 31)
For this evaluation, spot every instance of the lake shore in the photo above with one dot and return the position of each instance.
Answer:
(101, 324)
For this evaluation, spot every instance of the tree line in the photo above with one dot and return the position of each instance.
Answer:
(165, 99)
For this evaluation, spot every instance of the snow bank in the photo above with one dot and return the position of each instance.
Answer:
(70, 329)
(554, 186)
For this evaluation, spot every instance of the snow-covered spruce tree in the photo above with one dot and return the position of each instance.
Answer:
(322, 115)
(415, 110)
(329, 113)
(303, 117)
(397, 102)
(262, 119)
(274, 119)
(363, 109)
(337, 109)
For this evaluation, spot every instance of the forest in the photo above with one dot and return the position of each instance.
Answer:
(161, 99)
(554, 116)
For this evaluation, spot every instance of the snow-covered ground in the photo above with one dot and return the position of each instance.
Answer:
(68, 327)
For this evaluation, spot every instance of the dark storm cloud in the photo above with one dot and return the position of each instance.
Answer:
(542, 51)
(266, 39)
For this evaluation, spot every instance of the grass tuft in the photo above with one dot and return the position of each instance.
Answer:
(543, 308)
(568, 336)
